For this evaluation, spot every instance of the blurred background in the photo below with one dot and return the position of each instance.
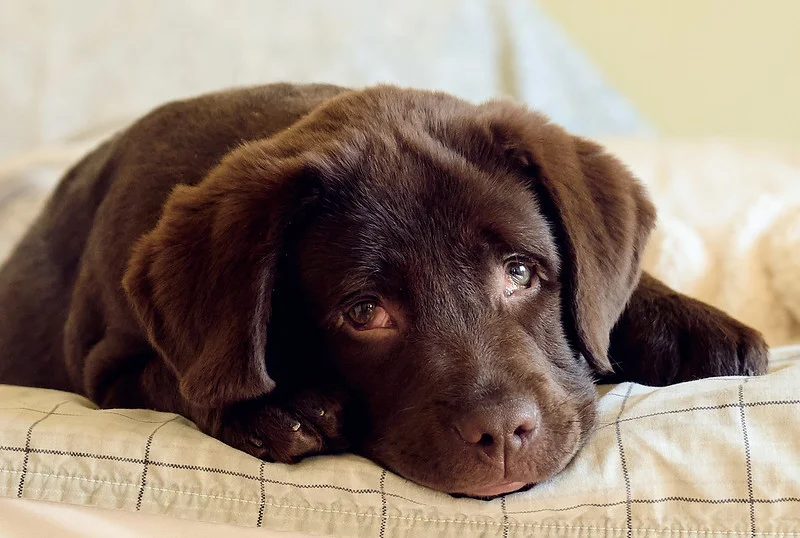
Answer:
(684, 68)
(698, 97)
(699, 68)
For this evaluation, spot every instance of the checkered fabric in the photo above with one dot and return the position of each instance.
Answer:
(718, 457)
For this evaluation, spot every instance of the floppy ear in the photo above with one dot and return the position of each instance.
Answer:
(602, 216)
(200, 281)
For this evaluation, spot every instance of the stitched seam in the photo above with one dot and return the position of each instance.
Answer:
(671, 412)
(410, 518)
(504, 509)
(187, 467)
(700, 408)
(384, 508)
(90, 412)
(625, 475)
(592, 505)
(147, 447)
(57, 452)
(297, 485)
(660, 500)
(263, 500)
(28, 436)
(748, 463)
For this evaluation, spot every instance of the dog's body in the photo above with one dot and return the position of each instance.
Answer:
(265, 260)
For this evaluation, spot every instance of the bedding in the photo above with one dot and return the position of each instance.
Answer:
(73, 67)
(685, 470)
(690, 250)
(23, 517)
(717, 457)
(729, 226)
(418, 335)
(710, 458)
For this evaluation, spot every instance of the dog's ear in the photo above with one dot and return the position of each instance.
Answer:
(200, 281)
(602, 219)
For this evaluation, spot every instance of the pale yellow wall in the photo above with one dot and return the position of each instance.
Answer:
(697, 67)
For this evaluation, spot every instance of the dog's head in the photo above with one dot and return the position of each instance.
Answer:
(460, 268)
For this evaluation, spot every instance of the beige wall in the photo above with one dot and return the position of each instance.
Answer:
(697, 67)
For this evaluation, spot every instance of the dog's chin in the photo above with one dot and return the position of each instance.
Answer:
(495, 490)
(481, 491)
(484, 488)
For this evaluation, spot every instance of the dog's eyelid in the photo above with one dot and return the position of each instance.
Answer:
(520, 249)
(545, 269)
(543, 273)
(353, 298)
(541, 266)
(520, 257)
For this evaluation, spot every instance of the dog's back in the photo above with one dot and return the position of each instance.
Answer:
(37, 280)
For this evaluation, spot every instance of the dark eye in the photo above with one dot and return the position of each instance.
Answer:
(367, 315)
(518, 275)
(362, 312)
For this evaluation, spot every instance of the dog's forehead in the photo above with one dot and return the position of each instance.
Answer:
(402, 192)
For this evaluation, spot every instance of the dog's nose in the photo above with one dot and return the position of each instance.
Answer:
(496, 429)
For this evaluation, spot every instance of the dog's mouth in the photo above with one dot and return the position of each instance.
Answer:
(493, 490)
(490, 490)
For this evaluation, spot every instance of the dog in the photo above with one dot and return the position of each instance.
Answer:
(300, 269)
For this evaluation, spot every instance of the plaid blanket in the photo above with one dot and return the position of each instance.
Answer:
(718, 457)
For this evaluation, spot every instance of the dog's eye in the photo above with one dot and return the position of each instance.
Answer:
(519, 275)
(368, 315)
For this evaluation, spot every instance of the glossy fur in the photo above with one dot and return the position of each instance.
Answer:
(201, 260)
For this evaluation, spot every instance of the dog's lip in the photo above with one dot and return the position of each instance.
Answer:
(498, 488)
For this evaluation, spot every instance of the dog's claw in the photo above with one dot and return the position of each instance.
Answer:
(286, 428)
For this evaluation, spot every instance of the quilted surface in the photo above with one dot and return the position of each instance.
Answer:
(718, 457)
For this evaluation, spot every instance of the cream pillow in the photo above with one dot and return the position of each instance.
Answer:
(717, 457)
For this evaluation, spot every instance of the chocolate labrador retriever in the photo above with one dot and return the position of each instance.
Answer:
(300, 269)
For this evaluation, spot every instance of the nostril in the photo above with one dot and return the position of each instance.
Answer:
(527, 425)
(486, 440)
(474, 435)
(475, 431)
(523, 430)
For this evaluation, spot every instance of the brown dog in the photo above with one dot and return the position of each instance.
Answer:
(303, 268)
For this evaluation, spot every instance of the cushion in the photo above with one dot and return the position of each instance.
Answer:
(716, 457)
(729, 226)
(66, 72)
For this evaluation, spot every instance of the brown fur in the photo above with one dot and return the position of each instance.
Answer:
(200, 262)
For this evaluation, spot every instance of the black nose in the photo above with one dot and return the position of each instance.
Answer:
(499, 428)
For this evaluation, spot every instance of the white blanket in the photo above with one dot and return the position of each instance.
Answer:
(664, 462)
(711, 458)
(729, 227)
(69, 66)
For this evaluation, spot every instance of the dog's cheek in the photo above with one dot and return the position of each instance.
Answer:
(564, 388)
(573, 380)
(563, 364)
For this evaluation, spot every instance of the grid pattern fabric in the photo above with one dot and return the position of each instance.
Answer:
(717, 457)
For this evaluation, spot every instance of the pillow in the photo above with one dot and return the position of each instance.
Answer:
(716, 457)
(729, 226)
(65, 71)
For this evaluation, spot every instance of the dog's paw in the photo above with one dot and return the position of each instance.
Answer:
(286, 429)
(715, 344)
(669, 338)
